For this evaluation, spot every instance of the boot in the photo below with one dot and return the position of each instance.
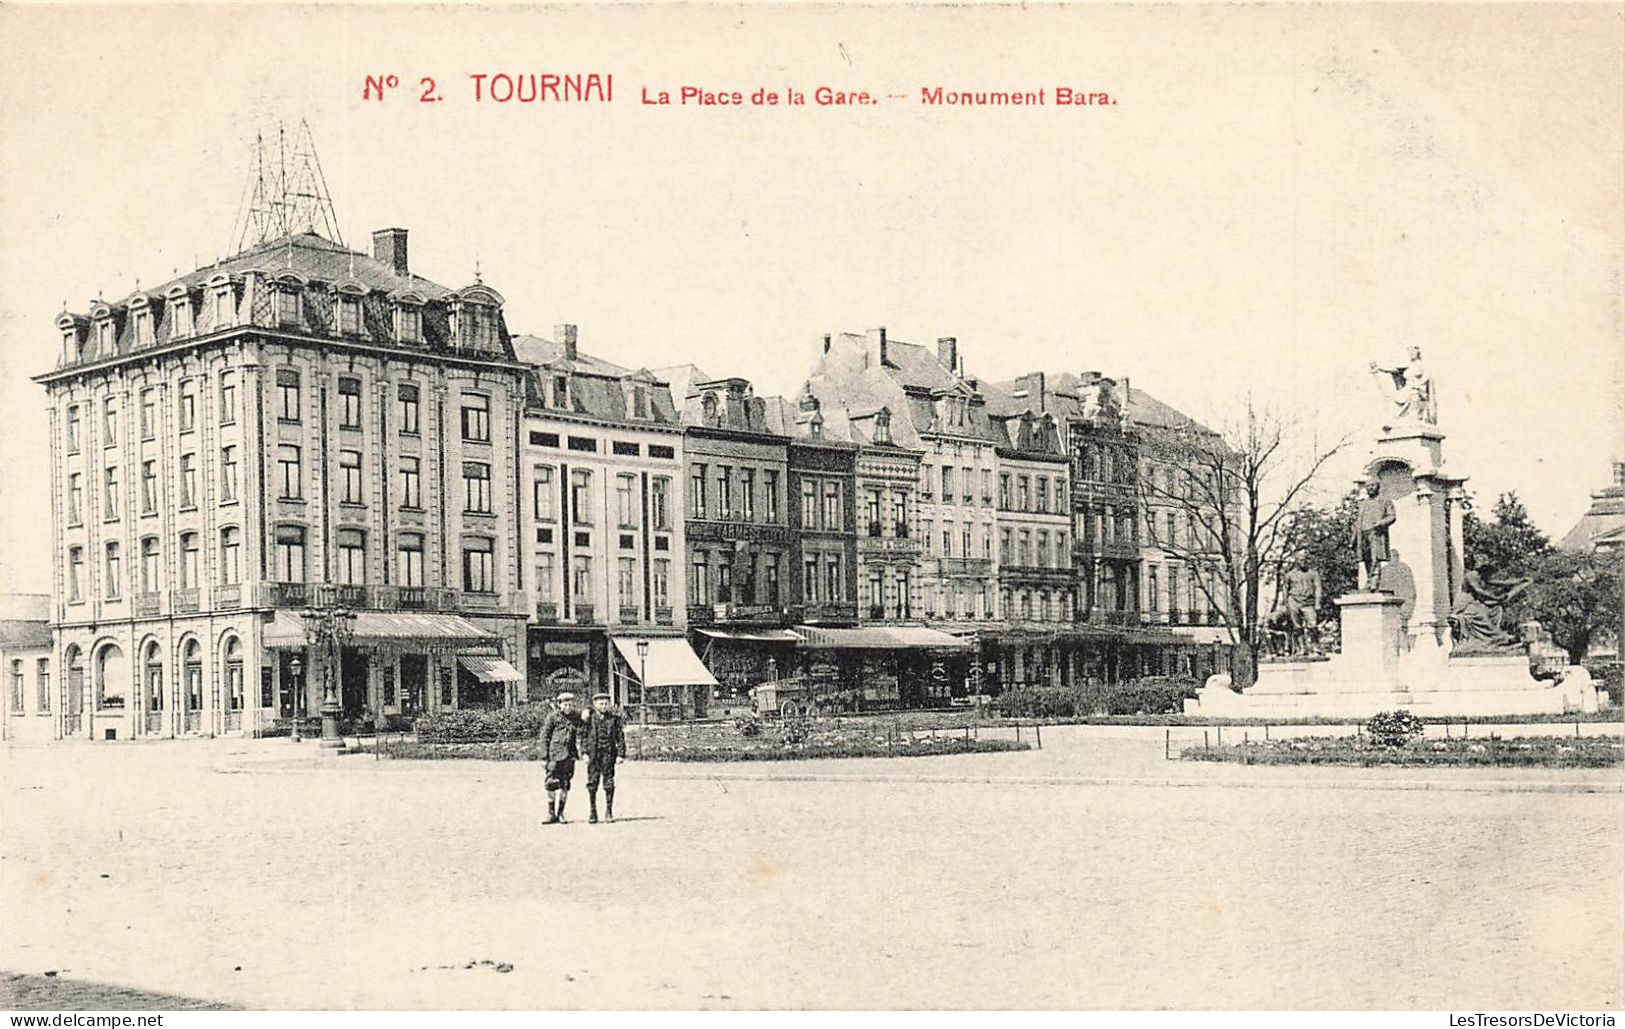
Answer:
(563, 796)
(552, 810)
(592, 806)
(609, 804)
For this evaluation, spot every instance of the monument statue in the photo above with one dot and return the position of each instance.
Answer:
(1302, 600)
(1479, 612)
(1294, 620)
(1408, 390)
(1371, 524)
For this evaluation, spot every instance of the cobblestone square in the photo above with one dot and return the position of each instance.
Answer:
(1090, 874)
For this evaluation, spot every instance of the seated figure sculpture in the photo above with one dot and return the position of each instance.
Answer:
(1478, 616)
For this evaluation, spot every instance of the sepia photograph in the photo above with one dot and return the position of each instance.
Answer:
(798, 507)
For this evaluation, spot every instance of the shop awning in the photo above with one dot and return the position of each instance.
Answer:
(670, 661)
(879, 637)
(752, 635)
(374, 628)
(491, 669)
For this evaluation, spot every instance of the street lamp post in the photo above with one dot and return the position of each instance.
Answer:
(294, 669)
(330, 627)
(643, 683)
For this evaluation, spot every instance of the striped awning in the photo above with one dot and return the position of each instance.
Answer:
(402, 628)
(879, 637)
(751, 635)
(669, 661)
(491, 669)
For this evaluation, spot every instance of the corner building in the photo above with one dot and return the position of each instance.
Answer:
(298, 426)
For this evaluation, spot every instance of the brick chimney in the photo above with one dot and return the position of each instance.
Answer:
(389, 247)
(566, 335)
(1031, 387)
(875, 352)
(948, 353)
(1619, 473)
(826, 342)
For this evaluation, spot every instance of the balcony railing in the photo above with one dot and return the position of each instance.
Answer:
(234, 721)
(701, 614)
(148, 605)
(584, 613)
(228, 597)
(964, 566)
(183, 602)
(153, 722)
(193, 722)
(384, 598)
(547, 611)
(629, 615)
(663, 616)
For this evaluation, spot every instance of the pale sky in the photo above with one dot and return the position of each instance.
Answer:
(1281, 195)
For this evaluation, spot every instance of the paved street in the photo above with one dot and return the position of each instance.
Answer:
(1090, 874)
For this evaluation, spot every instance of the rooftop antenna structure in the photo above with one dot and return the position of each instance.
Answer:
(286, 193)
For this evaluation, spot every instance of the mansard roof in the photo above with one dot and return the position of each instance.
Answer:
(319, 270)
(598, 389)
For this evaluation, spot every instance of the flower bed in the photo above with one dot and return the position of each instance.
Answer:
(1487, 751)
(797, 740)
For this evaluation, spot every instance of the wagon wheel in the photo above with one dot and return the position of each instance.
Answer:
(788, 709)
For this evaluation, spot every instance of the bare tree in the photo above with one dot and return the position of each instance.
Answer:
(1231, 493)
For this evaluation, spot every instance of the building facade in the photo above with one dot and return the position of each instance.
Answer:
(739, 541)
(26, 663)
(604, 542)
(1037, 581)
(299, 427)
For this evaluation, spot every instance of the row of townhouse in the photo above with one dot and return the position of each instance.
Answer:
(304, 428)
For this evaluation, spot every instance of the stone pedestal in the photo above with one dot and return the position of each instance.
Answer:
(1372, 630)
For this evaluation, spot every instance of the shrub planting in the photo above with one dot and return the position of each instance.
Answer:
(472, 726)
(1393, 728)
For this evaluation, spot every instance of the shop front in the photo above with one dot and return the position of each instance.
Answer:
(390, 665)
(883, 666)
(741, 659)
(662, 672)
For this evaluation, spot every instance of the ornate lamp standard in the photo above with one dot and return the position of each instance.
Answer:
(329, 628)
(643, 683)
(294, 669)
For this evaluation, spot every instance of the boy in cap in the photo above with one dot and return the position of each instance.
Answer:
(561, 745)
(604, 741)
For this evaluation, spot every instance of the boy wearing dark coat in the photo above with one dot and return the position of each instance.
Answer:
(561, 746)
(603, 742)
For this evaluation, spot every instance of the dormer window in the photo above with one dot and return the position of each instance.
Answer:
(883, 426)
(287, 304)
(73, 346)
(640, 402)
(104, 336)
(408, 317)
(815, 426)
(143, 327)
(180, 320)
(349, 317)
(708, 406)
(224, 311)
(561, 392)
(475, 318)
(477, 326)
